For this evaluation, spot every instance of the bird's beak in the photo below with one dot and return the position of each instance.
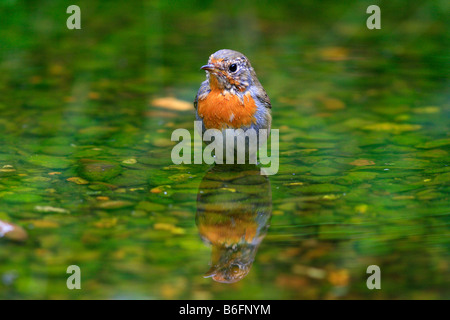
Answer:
(209, 67)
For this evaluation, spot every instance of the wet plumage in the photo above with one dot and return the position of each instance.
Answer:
(232, 96)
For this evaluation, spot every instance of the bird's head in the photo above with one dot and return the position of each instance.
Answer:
(229, 70)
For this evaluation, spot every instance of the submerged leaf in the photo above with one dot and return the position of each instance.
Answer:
(12, 232)
(172, 104)
(78, 180)
(362, 162)
(392, 127)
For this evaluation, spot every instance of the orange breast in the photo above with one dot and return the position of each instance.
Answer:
(229, 232)
(221, 111)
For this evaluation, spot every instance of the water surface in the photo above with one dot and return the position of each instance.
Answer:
(85, 163)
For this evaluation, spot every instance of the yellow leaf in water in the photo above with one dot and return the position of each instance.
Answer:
(178, 230)
(169, 227)
(93, 95)
(106, 223)
(362, 162)
(292, 282)
(172, 104)
(160, 189)
(156, 190)
(330, 197)
(7, 168)
(78, 180)
(56, 69)
(202, 295)
(362, 208)
(168, 291)
(309, 271)
(163, 226)
(114, 204)
(334, 53)
(392, 127)
(137, 189)
(339, 277)
(405, 197)
(163, 143)
(180, 177)
(129, 161)
(426, 110)
(43, 224)
(50, 209)
(332, 103)
(294, 184)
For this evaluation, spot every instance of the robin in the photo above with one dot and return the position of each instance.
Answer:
(232, 97)
(234, 206)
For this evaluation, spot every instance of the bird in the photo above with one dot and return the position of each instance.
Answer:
(233, 220)
(232, 97)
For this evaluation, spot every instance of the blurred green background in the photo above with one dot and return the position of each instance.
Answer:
(85, 169)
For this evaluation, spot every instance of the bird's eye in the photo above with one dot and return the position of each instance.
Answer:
(232, 67)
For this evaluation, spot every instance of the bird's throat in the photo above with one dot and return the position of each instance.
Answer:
(214, 83)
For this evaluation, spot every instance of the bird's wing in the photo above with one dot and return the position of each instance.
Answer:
(260, 93)
(204, 89)
(264, 98)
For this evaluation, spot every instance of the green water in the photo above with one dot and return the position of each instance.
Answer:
(364, 152)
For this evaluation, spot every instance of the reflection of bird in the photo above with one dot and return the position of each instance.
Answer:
(234, 204)
(232, 96)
